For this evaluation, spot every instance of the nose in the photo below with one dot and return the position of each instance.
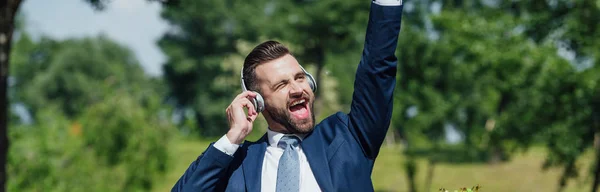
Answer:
(296, 89)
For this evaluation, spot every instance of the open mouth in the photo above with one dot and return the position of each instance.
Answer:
(299, 108)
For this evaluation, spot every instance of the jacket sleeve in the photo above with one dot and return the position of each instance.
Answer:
(372, 101)
(206, 173)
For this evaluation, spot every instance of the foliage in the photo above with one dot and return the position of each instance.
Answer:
(49, 157)
(467, 77)
(114, 146)
(500, 74)
(124, 134)
(204, 36)
(72, 73)
(47, 90)
(99, 123)
(569, 112)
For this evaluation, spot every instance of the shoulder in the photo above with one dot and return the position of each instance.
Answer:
(251, 144)
(249, 147)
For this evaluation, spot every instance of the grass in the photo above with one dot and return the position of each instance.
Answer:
(523, 173)
(182, 152)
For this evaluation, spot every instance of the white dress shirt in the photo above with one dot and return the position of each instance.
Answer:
(271, 162)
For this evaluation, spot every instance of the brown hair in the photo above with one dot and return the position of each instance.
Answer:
(265, 52)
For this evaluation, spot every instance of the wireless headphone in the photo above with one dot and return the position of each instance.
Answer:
(259, 102)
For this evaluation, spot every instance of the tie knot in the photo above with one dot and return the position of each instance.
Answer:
(287, 141)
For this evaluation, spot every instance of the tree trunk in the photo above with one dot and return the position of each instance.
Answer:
(410, 166)
(8, 8)
(596, 171)
(496, 157)
(568, 172)
(597, 168)
(430, 172)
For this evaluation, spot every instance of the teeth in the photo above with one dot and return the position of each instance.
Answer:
(298, 102)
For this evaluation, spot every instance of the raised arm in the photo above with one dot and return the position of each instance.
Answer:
(372, 101)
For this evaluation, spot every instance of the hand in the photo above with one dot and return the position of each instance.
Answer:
(240, 124)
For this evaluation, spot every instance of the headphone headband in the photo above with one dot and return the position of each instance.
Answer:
(242, 77)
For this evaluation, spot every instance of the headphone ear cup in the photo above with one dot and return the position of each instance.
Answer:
(311, 81)
(259, 102)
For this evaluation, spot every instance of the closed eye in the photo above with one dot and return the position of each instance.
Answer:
(280, 84)
(300, 75)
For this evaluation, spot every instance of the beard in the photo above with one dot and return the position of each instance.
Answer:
(294, 126)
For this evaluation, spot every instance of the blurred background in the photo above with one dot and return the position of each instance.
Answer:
(123, 95)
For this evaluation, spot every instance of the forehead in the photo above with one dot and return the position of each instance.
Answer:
(278, 69)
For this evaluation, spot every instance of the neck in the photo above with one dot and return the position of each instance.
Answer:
(277, 127)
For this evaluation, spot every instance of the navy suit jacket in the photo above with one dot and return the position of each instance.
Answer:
(342, 148)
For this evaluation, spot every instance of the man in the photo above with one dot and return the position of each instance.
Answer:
(338, 154)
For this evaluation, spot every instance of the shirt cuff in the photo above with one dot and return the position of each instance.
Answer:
(225, 146)
(388, 2)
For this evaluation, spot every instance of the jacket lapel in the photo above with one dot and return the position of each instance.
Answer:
(314, 149)
(252, 164)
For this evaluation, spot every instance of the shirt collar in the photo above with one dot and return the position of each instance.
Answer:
(274, 137)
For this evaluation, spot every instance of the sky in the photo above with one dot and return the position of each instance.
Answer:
(135, 24)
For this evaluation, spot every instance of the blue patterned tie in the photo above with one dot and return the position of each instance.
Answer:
(288, 172)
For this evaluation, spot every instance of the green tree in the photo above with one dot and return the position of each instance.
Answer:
(100, 123)
(572, 26)
(206, 32)
(8, 13)
(116, 145)
(8, 10)
(71, 73)
(481, 76)
(517, 89)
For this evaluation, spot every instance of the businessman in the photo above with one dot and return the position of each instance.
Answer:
(336, 154)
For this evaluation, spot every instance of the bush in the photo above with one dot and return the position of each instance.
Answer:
(116, 145)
